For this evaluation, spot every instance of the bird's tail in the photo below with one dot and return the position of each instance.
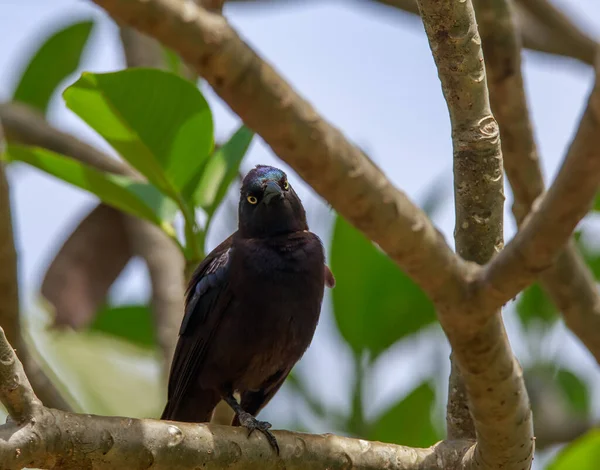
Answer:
(196, 407)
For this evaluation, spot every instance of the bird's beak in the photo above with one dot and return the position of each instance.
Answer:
(272, 191)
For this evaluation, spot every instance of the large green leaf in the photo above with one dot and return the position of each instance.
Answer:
(157, 121)
(134, 197)
(130, 322)
(575, 390)
(581, 454)
(220, 170)
(56, 59)
(408, 422)
(534, 307)
(375, 303)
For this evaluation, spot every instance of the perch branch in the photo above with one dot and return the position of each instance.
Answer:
(68, 440)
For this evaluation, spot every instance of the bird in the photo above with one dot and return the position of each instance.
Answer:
(251, 308)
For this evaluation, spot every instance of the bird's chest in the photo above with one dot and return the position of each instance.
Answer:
(280, 295)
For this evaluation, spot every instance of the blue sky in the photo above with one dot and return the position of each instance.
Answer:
(368, 70)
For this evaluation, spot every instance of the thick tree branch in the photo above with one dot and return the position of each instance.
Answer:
(478, 181)
(569, 281)
(67, 440)
(9, 293)
(551, 222)
(494, 384)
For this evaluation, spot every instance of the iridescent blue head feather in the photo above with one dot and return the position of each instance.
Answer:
(269, 206)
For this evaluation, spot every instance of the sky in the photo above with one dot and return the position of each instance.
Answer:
(366, 69)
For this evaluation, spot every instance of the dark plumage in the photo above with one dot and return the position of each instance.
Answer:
(252, 307)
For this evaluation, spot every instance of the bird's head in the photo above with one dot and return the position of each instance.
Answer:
(269, 205)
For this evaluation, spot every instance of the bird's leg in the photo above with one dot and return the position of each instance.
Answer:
(250, 422)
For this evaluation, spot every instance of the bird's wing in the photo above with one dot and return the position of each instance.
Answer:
(207, 298)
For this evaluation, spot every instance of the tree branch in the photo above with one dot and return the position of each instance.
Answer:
(493, 379)
(551, 222)
(478, 174)
(569, 281)
(10, 316)
(67, 440)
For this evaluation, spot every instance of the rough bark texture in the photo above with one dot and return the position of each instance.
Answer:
(478, 174)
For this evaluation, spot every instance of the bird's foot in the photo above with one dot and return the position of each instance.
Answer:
(252, 424)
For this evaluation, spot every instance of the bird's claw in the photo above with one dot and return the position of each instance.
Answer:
(252, 424)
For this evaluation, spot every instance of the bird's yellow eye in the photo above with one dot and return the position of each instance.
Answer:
(252, 200)
(286, 185)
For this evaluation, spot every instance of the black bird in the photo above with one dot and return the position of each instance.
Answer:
(252, 307)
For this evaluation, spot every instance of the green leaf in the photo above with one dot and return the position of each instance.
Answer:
(131, 322)
(56, 59)
(221, 169)
(581, 454)
(408, 422)
(575, 390)
(375, 303)
(134, 197)
(534, 306)
(159, 122)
